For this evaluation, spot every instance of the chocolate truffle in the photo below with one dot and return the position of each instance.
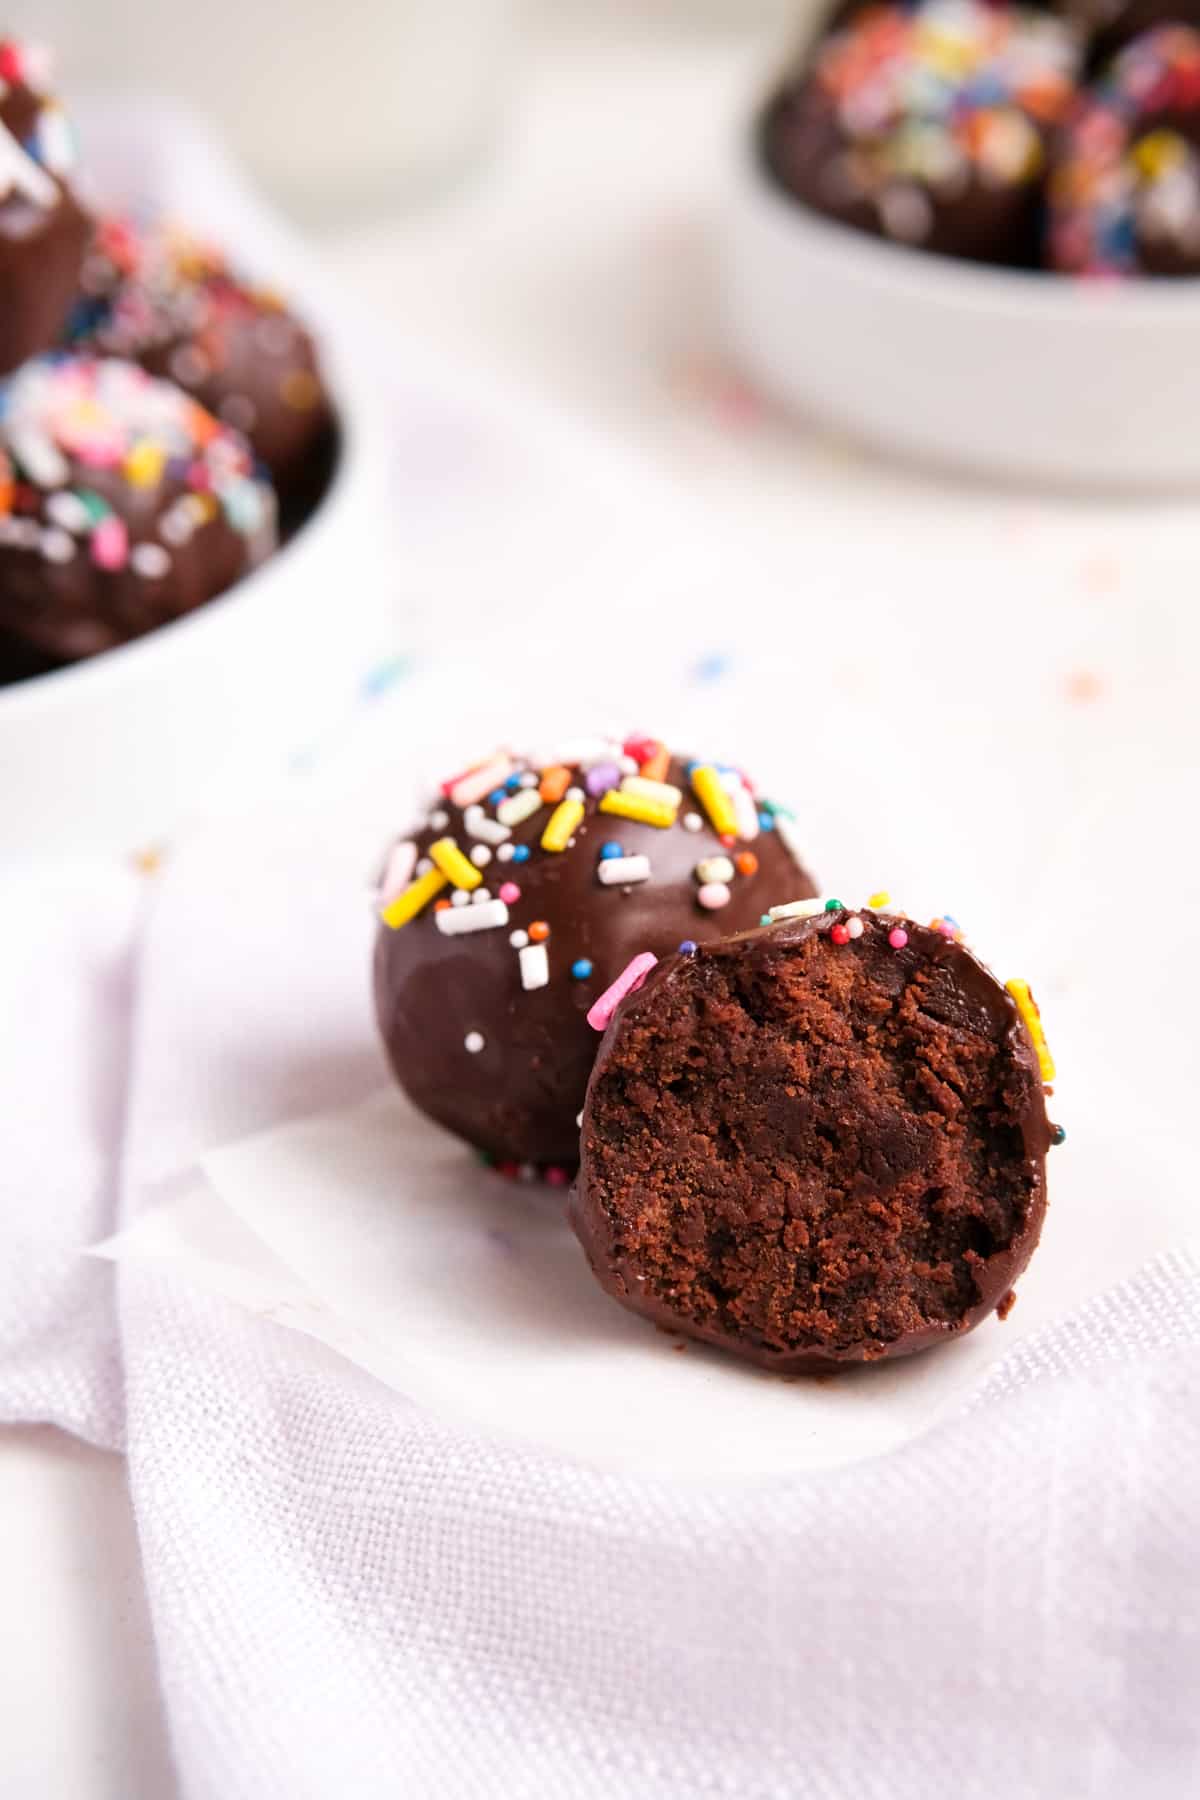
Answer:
(1124, 189)
(43, 229)
(928, 125)
(161, 297)
(521, 896)
(819, 1143)
(122, 505)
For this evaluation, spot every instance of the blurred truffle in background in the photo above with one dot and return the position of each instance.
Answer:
(43, 228)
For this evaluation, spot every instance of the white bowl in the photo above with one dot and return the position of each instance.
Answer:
(1028, 376)
(120, 750)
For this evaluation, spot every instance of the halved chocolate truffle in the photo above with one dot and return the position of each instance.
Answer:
(818, 1143)
(524, 892)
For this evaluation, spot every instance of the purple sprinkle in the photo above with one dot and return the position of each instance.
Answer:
(603, 777)
(688, 947)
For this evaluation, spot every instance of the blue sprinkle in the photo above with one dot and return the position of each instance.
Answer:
(712, 667)
(766, 821)
(495, 797)
(581, 969)
(688, 947)
(692, 767)
(764, 918)
(513, 783)
(521, 853)
(610, 851)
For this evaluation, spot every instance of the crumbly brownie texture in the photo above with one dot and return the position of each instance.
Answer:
(928, 125)
(522, 895)
(818, 1143)
(43, 229)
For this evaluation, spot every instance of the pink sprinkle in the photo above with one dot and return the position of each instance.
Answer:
(897, 937)
(471, 785)
(110, 543)
(556, 1177)
(714, 895)
(510, 893)
(631, 977)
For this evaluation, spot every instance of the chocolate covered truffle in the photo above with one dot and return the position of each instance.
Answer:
(1124, 190)
(818, 1143)
(524, 892)
(928, 125)
(43, 228)
(159, 296)
(123, 504)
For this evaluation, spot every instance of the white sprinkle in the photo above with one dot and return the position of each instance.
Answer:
(439, 820)
(692, 821)
(457, 921)
(239, 411)
(488, 831)
(188, 365)
(628, 765)
(398, 870)
(275, 334)
(518, 939)
(651, 790)
(57, 546)
(177, 524)
(68, 511)
(854, 928)
(150, 561)
(504, 853)
(479, 896)
(575, 793)
(474, 1042)
(714, 868)
(527, 1172)
(529, 779)
(797, 909)
(906, 212)
(744, 808)
(622, 871)
(578, 1119)
(481, 856)
(424, 866)
(519, 806)
(460, 897)
(535, 966)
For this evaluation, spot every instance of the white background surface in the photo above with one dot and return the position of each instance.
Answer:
(578, 264)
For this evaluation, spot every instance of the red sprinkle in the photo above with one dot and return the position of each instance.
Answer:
(840, 935)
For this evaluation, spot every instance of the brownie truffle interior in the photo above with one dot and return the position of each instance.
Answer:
(813, 1151)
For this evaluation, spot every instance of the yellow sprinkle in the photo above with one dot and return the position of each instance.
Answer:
(881, 899)
(300, 390)
(454, 865)
(643, 812)
(710, 791)
(414, 898)
(1158, 152)
(144, 464)
(1027, 1006)
(646, 789)
(563, 820)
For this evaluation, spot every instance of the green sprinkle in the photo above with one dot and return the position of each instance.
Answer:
(833, 906)
(1058, 1137)
(766, 919)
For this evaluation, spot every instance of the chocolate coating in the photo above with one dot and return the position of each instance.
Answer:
(927, 125)
(813, 1153)
(1124, 187)
(43, 228)
(122, 506)
(173, 303)
(518, 1097)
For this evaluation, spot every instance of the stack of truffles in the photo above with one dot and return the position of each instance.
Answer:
(813, 1134)
(160, 417)
(1063, 137)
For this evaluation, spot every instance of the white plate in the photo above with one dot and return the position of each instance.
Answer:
(123, 748)
(1023, 375)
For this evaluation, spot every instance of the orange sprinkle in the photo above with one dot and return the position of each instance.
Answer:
(440, 905)
(539, 931)
(554, 783)
(656, 764)
(300, 390)
(746, 863)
